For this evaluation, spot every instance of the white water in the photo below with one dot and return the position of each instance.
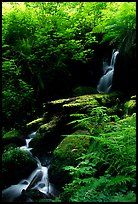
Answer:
(26, 147)
(37, 180)
(105, 82)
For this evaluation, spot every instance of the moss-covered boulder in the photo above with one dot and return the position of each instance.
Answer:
(130, 106)
(35, 124)
(66, 153)
(85, 103)
(54, 121)
(13, 137)
(16, 165)
(48, 136)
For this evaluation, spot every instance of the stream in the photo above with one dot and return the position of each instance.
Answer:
(37, 180)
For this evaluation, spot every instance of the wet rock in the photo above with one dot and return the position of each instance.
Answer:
(36, 178)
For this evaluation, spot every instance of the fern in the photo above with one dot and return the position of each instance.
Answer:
(96, 122)
(107, 172)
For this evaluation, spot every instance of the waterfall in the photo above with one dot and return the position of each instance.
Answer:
(105, 82)
(38, 179)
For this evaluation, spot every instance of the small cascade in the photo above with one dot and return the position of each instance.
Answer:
(105, 82)
(26, 147)
(38, 180)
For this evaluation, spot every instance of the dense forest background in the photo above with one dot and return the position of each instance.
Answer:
(54, 50)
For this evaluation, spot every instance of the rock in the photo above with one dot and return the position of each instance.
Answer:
(34, 181)
(13, 137)
(46, 134)
(57, 117)
(33, 195)
(66, 153)
(33, 125)
(16, 165)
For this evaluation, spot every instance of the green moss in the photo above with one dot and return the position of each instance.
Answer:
(35, 121)
(13, 162)
(86, 102)
(130, 107)
(66, 153)
(33, 125)
(46, 136)
(12, 134)
(133, 97)
(72, 147)
(13, 137)
(51, 124)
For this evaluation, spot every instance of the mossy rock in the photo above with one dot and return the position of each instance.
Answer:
(85, 103)
(130, 107)
(66, 153)
(35, 124)
(72, 105)
(47, 136)
(16, 165)
(13, 137)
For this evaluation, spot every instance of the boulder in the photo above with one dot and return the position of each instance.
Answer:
(13, 137)
(48, 135)
(16, 165)
(35, 124)
(57, 116)
(66, 153)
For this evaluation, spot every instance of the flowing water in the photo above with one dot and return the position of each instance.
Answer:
(105, 82)
(37, 180)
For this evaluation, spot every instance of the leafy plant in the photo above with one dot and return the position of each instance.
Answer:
(107, 171)
(96, 122)
(16, 93)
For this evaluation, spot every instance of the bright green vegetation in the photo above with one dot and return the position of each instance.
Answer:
(130, 106)
(107, 172)
(16, 93)
(41, 41)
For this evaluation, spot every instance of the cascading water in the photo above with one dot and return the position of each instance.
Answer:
(105, 82)
(37, 180)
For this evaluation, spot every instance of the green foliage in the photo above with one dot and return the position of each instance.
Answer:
(118, 23)
(107, 173)
(130, 107)
(16, 93)
(130, 197)
(41, 37)
(96, 122)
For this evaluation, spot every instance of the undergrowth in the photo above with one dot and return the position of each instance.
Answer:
(107, 172)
